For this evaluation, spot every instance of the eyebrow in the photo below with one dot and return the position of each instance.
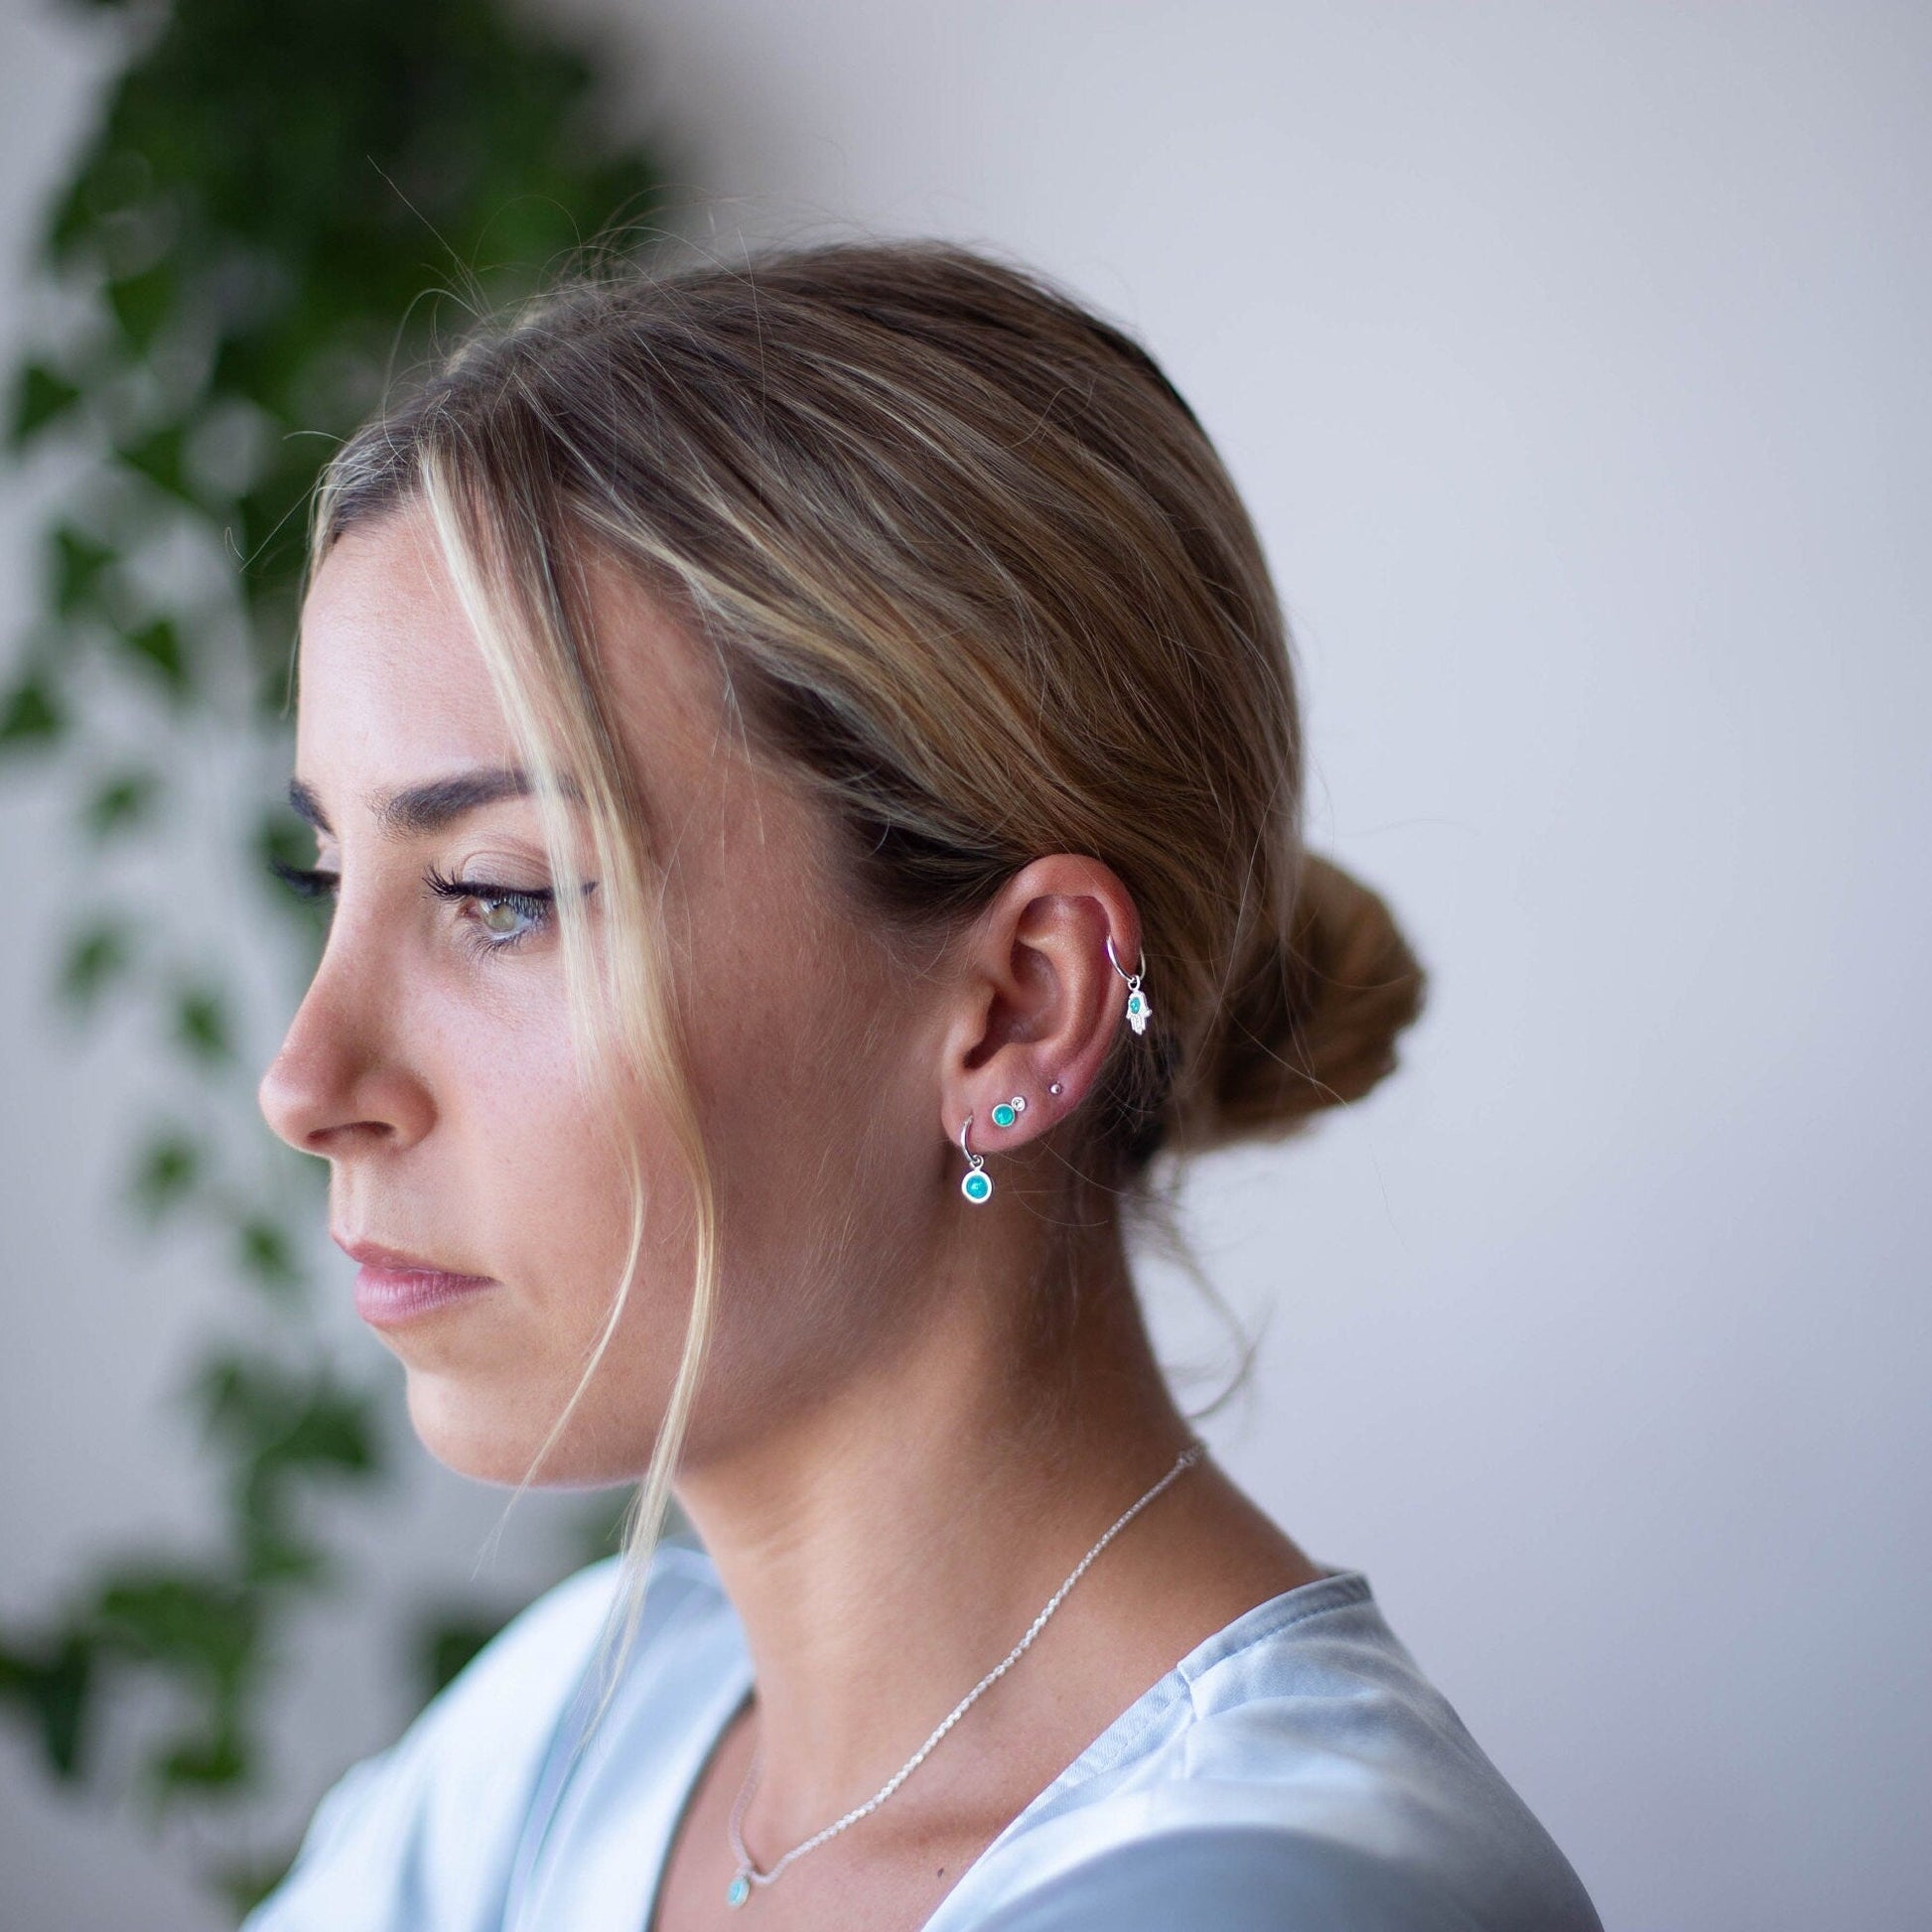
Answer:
(418, 810)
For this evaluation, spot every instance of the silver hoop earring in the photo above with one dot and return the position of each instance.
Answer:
(976, 1183)
(1138, 1010)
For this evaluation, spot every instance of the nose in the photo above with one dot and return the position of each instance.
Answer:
(342, 1081)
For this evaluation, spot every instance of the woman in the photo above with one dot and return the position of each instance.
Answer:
(806, 763)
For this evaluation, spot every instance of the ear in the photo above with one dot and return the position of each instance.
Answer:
(1038, 1000)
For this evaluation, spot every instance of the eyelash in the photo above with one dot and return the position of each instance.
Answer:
(314, 882)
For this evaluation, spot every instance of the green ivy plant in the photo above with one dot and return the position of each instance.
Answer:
(244, 253)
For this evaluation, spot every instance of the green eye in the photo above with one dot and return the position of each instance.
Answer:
(507, 915)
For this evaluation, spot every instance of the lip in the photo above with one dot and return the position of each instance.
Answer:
(393, 1286)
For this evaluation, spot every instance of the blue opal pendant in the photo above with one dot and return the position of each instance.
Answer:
(741, 1890)
(976, 1183)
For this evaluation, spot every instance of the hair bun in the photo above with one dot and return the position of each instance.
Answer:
(1313, 1022)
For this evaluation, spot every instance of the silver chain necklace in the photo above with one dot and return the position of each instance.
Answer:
(749, 1874)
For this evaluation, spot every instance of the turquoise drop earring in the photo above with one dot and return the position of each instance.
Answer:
(976, 1185)
(1139, 1011)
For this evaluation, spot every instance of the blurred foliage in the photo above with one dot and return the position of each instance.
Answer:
(245, 249)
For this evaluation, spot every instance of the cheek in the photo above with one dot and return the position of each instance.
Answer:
(530, 1138)
(527, 1165)
(820, 1167)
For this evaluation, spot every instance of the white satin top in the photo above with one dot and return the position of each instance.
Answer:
(1293, 1771)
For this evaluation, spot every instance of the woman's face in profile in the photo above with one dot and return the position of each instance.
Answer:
(430, 1063)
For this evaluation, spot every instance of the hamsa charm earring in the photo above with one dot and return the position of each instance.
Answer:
(1138, 1010)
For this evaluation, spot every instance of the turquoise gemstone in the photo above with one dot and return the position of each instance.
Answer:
(977, 1186)
(1134, 1002)
(741, 1890)
(1003, 1116)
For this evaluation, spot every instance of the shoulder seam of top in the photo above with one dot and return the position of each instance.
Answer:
(1343, 1590)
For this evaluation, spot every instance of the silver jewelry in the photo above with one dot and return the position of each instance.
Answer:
(1054, 1088)
(1138, 1010)
(749, 1874)
(975, 1183)
(1006, 1112)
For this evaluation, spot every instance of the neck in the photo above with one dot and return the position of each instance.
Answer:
(887, 1548)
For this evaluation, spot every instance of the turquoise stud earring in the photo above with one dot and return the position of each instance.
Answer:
(1009, 1111)
(976, 1185)
(1139, 1011)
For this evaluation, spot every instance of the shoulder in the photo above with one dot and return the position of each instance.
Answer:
(1297, 1771)
(427, 1828)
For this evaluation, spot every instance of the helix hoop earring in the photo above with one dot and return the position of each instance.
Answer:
(1139, 1008)
(976, 1183)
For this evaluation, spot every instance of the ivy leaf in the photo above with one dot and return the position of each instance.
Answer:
(119, 802)
(195, 1622)
(279, 1428)
(160, 457)
(40, 395)
(79, 560)
(96, 955)
(448, 1640)
(157, 646)
(274, 1556)
(30, 715)
(141, 302)
(202, 1024)
(280, 1421)
(264, 1253)
(49, 1684)
(334, 1430)
(218, 1762)
(244, 1883)
(167, 1170)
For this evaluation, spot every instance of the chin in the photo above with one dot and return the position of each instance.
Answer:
(492, 1438)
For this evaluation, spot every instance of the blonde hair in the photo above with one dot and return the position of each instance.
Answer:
(976, 578)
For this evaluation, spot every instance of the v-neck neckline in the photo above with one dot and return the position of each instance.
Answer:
(1261, 1620)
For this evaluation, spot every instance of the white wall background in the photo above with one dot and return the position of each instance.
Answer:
(1574, 360)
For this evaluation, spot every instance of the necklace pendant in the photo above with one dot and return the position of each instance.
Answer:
(741, 1890)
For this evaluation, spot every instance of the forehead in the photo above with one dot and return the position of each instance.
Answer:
(393, 686)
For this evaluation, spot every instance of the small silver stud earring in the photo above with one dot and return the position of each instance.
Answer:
(1054, 1088)
(976, 1183)
(1139, 1008)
